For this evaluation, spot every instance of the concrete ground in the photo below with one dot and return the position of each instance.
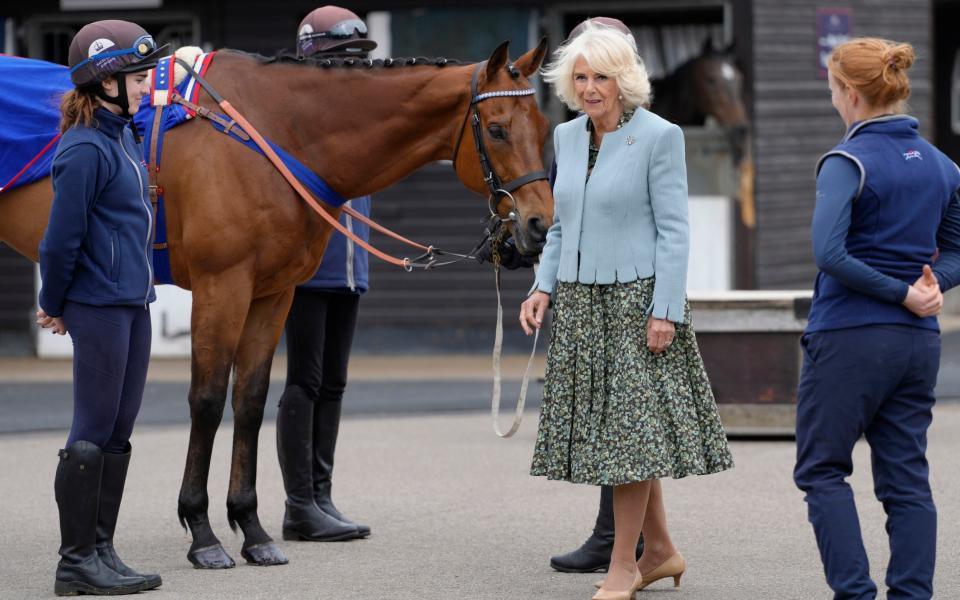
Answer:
(455, 516)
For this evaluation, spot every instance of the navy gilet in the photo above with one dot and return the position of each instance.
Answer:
(905, 187)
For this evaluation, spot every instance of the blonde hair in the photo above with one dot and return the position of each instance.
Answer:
(77, 106)
(874, 67)
(607, 51)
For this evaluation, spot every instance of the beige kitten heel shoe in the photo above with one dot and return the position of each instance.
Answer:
(603, 594)
(674, 567)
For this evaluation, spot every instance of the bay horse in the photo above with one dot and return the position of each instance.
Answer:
(241, 240)
(711, 85)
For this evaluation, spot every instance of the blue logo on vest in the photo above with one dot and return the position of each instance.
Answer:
(910, 154)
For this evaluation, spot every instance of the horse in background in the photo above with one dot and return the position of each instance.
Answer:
(711, 85)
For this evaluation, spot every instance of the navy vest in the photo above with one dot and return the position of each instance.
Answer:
(345, 266)
(905, 187)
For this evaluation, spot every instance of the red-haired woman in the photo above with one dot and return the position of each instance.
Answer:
(887, 201)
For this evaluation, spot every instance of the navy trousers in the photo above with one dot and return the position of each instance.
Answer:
(875, 381)
(111, 351)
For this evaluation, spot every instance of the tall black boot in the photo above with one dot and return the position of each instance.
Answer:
(594, 554)
(77, 489)
(302, 519)
(111, 493)
(326, 427)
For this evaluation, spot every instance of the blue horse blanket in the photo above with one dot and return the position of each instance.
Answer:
(29, 118)
(29, 130)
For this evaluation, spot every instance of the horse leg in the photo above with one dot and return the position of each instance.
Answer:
(254, 357)
(219, 310)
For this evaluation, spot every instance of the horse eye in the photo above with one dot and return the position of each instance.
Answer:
(497, 132)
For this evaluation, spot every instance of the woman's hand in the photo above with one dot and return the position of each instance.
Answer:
(660, 334)
(48, 322)
(532, 311)
(924, 297)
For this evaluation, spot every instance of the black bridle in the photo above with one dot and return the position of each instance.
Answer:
(497, 187)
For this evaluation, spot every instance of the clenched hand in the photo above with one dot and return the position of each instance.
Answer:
(924, 297)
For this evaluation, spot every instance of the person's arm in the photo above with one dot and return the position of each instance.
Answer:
(838, 184)
(668, 198)
(77, 181)
(947, 267)
(546, 278)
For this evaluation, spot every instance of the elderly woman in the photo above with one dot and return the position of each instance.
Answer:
(627, 400)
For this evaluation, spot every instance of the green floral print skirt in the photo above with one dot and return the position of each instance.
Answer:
(614, 412)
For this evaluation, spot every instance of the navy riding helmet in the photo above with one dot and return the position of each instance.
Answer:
(108, 48)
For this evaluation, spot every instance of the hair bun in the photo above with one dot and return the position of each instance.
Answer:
(876, 68)
(899, 57)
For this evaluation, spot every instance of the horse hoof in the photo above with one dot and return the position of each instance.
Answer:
(264, 555)
(210, 557)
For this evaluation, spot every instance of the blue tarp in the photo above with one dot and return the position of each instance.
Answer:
(29, 117)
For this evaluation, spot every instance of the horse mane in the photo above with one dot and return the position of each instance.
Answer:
(287, 57)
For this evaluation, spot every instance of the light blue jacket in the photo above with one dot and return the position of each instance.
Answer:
(629, 220)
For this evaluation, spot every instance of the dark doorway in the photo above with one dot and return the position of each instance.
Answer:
(946, 77)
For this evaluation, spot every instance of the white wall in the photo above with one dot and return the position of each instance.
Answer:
(711, 244)
(170, 316)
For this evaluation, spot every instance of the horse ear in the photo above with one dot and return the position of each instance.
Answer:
(497, 60)
(530, 62)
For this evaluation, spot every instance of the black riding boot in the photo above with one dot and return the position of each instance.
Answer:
(77, 489)
(326, 419)
(111, 493)
(302, 519)
(594, 554)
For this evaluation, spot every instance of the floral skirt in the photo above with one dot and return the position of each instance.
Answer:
(614, 412)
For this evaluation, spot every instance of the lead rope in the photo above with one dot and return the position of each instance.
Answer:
(498, 352)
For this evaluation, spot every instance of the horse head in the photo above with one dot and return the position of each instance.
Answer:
(718, 86)
(498, 147)
(709, 84)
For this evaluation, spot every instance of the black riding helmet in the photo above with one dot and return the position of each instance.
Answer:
(107, 48)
